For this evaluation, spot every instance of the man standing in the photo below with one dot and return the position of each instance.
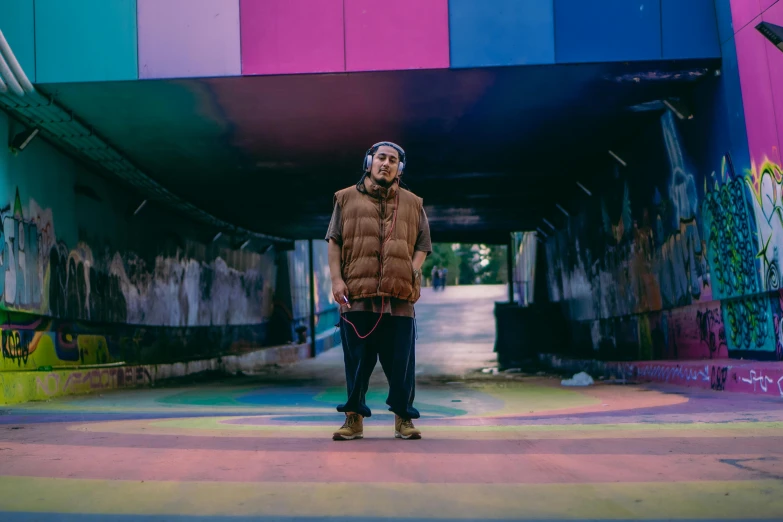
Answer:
(378, 239)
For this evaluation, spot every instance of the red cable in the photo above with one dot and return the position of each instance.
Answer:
(383, 298)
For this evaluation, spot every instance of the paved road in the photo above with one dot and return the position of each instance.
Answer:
(456, 336)
(504, 447)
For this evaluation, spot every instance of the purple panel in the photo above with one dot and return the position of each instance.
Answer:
(292, 36)
(766, 4)
(404, 34)
(775, 60)
(188, 38)
(743, 11)
(757, 94)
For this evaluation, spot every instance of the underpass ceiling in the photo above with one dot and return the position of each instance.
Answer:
(489, 150)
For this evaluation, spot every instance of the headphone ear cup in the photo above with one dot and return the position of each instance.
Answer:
(401, 168)
(367, 162)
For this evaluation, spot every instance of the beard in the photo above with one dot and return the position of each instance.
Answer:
(381, 180)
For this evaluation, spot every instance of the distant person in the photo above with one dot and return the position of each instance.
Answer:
(377, 292)
(435, 277)
(444, 275)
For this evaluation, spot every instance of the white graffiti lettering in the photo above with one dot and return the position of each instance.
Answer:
(763, 381)
(667, 373)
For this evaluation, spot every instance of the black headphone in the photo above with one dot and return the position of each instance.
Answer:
(372, 150)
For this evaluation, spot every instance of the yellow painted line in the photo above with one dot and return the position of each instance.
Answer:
(690, 500)
(213, 426)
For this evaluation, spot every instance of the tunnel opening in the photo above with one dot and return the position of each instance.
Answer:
(492, 151)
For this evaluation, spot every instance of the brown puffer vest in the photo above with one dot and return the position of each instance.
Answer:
(367, 212)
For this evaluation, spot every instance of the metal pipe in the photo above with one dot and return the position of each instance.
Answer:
(10, 79)
(19, 74)
(3, 86)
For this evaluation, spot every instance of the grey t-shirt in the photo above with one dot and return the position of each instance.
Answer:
(393, 306)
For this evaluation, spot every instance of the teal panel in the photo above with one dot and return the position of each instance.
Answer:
(85, 40)
(18, 25)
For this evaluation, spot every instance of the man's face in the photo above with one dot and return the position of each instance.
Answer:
(385, 165)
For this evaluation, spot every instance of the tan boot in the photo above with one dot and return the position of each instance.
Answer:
(352, 429)
(404, 429)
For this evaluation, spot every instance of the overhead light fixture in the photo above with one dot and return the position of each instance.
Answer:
(243, 245)
(542, 232)
(679, 109)
(618, 158)
(141, 206)
(550, 225)
(564, 211)
(584, 188)
(217, 236)
(22, 140)
(772, 32)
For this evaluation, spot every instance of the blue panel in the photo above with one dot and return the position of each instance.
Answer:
(85, 40)
(607, 30)
(17, 24)
(690, 29)
(736, 112)
(503, 32)
(725, 25)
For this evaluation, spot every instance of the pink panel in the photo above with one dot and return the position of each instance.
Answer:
(743, 11)
(757, 94)
(775, 60)
(402, 34)
(188, 38)
(292, 36)
(766, 4)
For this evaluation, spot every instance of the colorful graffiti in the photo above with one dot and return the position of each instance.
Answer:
(40, 274)
(64, 307)
(32, 342)
(697, 257)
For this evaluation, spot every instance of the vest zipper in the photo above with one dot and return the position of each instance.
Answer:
(380, 254)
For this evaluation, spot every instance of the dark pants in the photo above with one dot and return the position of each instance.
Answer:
(394, 343)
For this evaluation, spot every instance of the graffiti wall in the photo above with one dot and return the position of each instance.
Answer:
(84, 281)
(679, 254)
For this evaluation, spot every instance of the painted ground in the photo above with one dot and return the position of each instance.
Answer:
(495, 447)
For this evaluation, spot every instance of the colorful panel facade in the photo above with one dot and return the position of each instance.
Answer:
(607, 31)
(775, 66)
(188, 38)
(292, 36)
(17, 22)
(505, 32)
(757, 94)
(399, 35)
(723, 14)
(743, 12)
(732, 92)
(689, 29)
(85, 40)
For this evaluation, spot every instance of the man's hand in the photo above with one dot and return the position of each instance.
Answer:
(340, 292)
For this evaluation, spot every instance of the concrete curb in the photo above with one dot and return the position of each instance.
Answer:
(17, 387)
(731, 375)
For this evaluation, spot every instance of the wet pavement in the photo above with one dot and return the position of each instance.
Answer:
(494, 447)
